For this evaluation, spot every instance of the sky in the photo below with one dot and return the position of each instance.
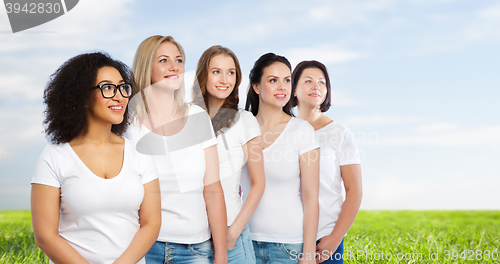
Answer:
(416, 81)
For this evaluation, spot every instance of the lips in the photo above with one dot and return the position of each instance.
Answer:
(222, 88)
(116, 108)
(314, 95)
(280, 96)
(172, 76)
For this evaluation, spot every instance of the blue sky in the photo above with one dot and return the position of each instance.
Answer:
(417, 82)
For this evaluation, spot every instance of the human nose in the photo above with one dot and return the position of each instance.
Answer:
(118, 95)
(173, 67)
(223, 79)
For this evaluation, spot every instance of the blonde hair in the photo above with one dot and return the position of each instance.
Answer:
(142, 68)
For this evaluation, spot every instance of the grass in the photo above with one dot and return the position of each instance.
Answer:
(17, 244)
(411, 236)
(404, 236)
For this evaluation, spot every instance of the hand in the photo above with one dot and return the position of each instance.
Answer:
(306, 261)
(326, 247)
(231, 238)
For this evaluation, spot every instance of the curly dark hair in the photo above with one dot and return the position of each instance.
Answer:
(255, 77)
(68, 95)
(297, 72)
(227, 112)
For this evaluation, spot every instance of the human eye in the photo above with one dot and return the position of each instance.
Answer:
(322, 82)
(231, 73)
(308, 81)
(106, 87)
(216, 72)
(287, 80)
(179, 60)
(272, 80)
(163, 60)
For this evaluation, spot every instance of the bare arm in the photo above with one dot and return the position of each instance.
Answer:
(309, 180)
(216, 207)
(255, 163)
(351, 175)
(150, 221)
(45, 208)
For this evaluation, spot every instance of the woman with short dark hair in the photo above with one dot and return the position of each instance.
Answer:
(339, 161)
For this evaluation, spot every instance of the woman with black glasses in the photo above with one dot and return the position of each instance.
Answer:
(94, 199)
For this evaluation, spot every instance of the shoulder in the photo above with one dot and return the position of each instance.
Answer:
(194, 109)
(300, 124)
(54, 150)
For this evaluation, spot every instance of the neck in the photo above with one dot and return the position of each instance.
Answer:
(308, 113)
(214, 104)
(269, 115)
(97, 133)
(162, 105)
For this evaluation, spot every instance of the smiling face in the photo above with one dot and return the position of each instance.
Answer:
(311, 88)
(221, 77)
(108, 110)
(168, 67)
(275, 85)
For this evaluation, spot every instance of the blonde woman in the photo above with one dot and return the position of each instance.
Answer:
(340, 163)
(181, 138)
(284, 225)
(238, 134)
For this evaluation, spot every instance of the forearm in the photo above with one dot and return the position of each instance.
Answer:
(217, 219)
(141, 243)
(58, 250)
(347, 214)
(248, 208)
(311, 215)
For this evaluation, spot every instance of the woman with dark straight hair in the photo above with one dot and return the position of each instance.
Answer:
(339, 162)
(284, 225)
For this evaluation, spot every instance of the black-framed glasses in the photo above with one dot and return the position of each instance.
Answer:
(109, 90)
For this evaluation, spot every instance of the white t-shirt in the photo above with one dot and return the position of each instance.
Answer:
(180, 160)
(98, 217)
(338, 148)
(279, 216)
(232, 158)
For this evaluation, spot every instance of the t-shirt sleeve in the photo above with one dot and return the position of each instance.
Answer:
(150, 172)
(251, 127)
(347, 151)
(45, 172)
(307, 139)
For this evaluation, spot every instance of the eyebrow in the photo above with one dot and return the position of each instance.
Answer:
(177, 56)
(274, 76)
(217, 68)
(313, 78)
(108, 81)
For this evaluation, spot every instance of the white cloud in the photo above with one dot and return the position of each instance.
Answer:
(461, 191)
(380, 120)
(322, 53)
(486, 135)
(438, 127)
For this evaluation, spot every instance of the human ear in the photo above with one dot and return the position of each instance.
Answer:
(256, 88)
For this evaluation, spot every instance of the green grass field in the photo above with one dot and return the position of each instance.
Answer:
(375, 237)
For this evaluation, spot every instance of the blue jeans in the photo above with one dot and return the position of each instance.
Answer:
(167, 252)
(274, 253)
(338, 256)
(242, 253)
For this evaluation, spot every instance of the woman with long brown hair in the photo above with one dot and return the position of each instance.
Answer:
(218, 77)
